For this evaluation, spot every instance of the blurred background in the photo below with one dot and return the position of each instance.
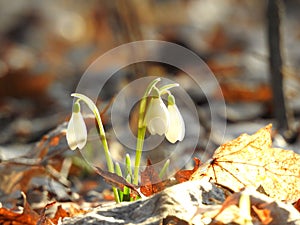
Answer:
(45, 47)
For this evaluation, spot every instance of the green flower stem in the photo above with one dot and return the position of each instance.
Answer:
(164, 169)
(94, 109)
(164, 90)
(141, 131)
(138, 154)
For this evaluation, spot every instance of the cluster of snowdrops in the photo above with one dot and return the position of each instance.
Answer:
(154, 115)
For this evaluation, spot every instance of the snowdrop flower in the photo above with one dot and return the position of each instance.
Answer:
(76, 131)
(157, 117)
(176, 128)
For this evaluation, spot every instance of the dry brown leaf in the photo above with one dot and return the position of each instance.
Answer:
(30, 217)
(223, 70)
(249, 161)
(23, 84)
(173, 220)
(43, 220)
(9, 217)
(264, 215)
(60, 213)
(297, 205)
(116, 181)
(238, 92)
(150, 181)
(27, 217)
(264, 210)
(184, 175)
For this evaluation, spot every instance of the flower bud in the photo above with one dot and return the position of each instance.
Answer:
(76, 130)
(176, 128)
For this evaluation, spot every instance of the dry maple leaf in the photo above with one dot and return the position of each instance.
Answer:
(250, 161)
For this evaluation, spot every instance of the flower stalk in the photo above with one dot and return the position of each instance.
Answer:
(94, 109)
(141, 131)
(158, 119)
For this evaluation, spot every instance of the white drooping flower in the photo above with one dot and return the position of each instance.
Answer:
(157, 117)
(176, 128)
(76, 130)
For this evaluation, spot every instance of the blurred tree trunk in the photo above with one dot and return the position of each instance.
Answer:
(274, 12)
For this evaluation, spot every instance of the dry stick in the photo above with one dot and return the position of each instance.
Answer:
(275, 62)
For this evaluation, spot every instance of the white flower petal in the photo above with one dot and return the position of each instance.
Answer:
(157, 126)
(176, 129)
(76, 131)
(70, 135)
(157, 117)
